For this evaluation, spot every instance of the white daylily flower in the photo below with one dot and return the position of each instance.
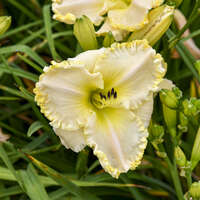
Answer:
(122, 15)
(104, 98)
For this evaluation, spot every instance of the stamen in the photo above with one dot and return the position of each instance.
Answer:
(104, 97)
(112, 91)
(101, 95)
(115, 95)
(109, 94)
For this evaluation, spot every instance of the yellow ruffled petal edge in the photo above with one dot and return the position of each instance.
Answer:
(129, 28)
(68, 18)
(114, 172)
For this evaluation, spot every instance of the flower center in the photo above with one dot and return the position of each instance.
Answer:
(102, 99)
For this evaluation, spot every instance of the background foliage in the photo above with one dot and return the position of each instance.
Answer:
(33, 163)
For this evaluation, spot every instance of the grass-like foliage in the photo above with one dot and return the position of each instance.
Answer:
(33, 163)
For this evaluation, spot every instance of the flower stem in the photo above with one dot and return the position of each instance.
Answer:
(189, 178)
(174, 175)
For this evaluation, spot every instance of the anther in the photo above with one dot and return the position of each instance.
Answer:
(101, 95)
(104, 97)
(109, 94)
(115, 95)
(112, 91)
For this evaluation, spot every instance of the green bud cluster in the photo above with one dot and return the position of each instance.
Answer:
(171, 98)
(183, 122)
(191, 108)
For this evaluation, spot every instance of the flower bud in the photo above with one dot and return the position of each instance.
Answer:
(108, 40)
(191, 108)
(180, 157)
(171, 97)
(170, 117)
(195, 158)
(159, 21)
(5, 23)
(183, 126)
(195, 190)
(155, 137)
(156, 132)
(85, 33)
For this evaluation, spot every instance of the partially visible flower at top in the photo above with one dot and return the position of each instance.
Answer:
(122, 16)
(104, 98)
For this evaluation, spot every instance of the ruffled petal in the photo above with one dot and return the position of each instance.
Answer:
(118, 34)
(145, 110)
(133, 69)
(134, 17)
(71, 139)
(63, 93)
(68, 10)
(118, 139)
(88, 58)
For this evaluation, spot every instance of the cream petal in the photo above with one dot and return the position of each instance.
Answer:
(68, 10)
(63, 93)
(145, 110)
(118, 139)
(88, 58)
(118, 34)
(166, 84)
(148, 4)
(71, 139)
(133, 69)
(116, 4)
(134, 17)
